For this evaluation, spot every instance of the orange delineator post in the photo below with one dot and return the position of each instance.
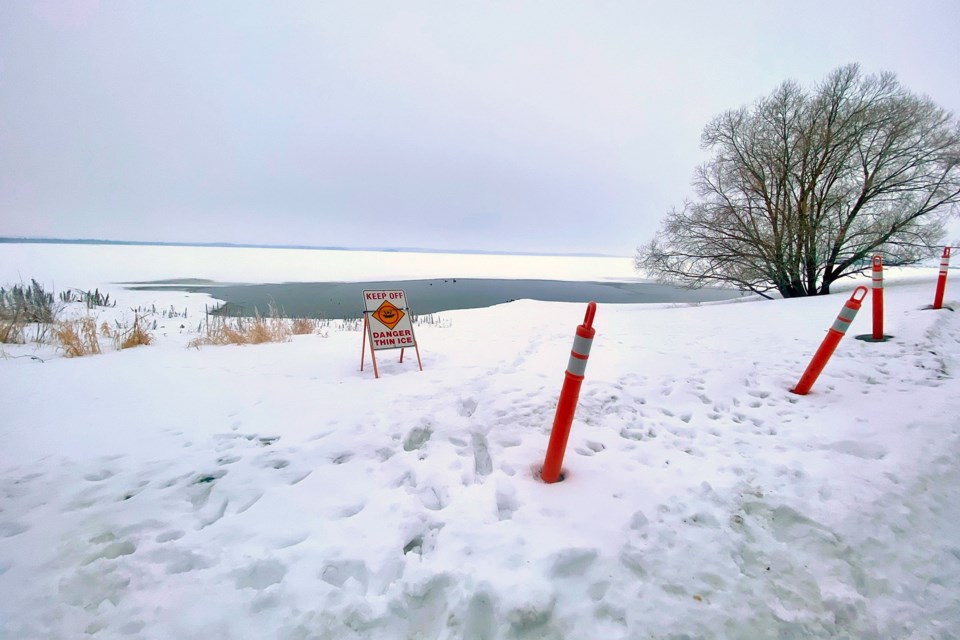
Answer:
(830, 342)
(877, 298)
(942, 280)
(569, 393)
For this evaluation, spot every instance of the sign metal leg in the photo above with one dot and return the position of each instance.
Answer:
(364, 342)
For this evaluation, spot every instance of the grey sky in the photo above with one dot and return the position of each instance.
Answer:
(524, 126)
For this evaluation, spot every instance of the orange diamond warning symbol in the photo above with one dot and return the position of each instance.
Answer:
(388, 314)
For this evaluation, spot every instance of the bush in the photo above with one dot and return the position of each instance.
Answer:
(27, 304)
(77, 338)
(90, 298)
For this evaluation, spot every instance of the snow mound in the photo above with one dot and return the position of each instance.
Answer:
(276, 491)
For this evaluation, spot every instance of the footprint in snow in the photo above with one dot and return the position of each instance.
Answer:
(507, 502)
(260, 574)
(591, 448)
(434, 498)
(417, 437)
(406, 479)
(468, 407)
(481, 454)
(638, 434)
(341, 458)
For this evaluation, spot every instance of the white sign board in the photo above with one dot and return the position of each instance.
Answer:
(388, 320)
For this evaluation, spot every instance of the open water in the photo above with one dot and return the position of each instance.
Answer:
(344, 299)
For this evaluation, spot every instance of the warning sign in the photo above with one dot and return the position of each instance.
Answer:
(388, 314)
(388, 322)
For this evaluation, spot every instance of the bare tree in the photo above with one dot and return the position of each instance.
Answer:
(803, 187)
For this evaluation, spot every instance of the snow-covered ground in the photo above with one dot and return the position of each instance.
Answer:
(276, 491)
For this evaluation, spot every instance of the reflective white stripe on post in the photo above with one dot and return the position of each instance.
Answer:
(582, 345)
(846, 316)
(577, 366)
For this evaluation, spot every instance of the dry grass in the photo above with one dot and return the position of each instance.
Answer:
(125, 336)
(11, 327)
(135, 336)
(256, 330)
(272, 329)
(77, 337)
(11, 330)
(303, 326)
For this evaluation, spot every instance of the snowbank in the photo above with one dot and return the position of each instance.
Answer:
(276, 491)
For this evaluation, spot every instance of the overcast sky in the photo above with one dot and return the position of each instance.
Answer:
(519, 126)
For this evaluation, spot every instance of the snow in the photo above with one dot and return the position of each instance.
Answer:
(92, 265)
(276, 491)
